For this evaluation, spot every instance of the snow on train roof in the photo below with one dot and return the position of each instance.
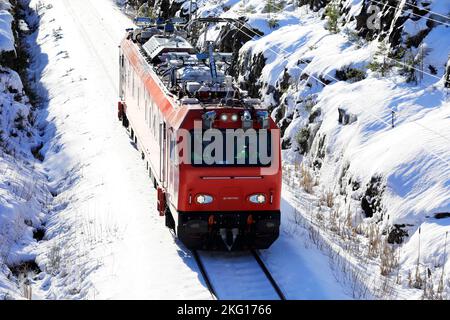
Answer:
(157, 44)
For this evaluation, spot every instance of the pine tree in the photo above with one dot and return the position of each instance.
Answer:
(269, 7)
(332, 13)
(380, 62)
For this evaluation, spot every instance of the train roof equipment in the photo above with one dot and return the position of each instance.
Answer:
(196, 77)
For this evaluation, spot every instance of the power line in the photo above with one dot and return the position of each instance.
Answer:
(414, 68)
(391, 59)
(433, 12)
(415, 14)
(373, 115)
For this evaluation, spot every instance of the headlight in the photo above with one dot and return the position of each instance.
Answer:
(224, 117)
(234, 118)
(258, 198)
(204, 199)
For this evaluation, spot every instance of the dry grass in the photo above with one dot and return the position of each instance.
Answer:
(306, 180)
(54, 257)
(327, 198)
(388, 259)
(357, 237)
(374, 236)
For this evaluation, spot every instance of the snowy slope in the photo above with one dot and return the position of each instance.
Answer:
(108, 239)
(103, 238)
(23, 191)
(394, 179)
(113, 244)
(6, 34)
(99, 235)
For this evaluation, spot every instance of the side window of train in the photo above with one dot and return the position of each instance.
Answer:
(125, 70)
(139, 95)
(172, 147)
(132, 90)
(146, 111)
(150, 109)
(128, 76)
(154, 123)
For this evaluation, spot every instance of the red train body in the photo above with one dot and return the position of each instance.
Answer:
(210, 206)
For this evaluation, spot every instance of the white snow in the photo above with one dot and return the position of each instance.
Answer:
(113, 244)
(107, 225)
(104, 238)
(412, 158)
(6, 35)
(22, 188)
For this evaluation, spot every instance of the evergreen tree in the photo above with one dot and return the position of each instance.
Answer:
(332, 13)
(381, 62)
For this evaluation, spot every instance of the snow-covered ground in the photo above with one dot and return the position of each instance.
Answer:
(403, 172)
(111, 242)
(104, 238)
(23, 191)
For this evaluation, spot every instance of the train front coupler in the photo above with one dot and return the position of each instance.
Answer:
(229, 237)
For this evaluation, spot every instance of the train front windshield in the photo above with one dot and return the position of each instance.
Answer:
(230, 147)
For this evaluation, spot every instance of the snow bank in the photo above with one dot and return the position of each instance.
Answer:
(104, 239)
(103, 227)
(6, 34)
(23, 187)
(307, 73)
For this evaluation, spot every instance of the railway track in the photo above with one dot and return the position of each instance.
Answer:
(266, 271)
(205, 276)
(258, 276)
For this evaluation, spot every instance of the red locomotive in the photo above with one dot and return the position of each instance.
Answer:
(203, 140)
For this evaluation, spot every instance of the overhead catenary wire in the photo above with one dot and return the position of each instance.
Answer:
(415, 14)
(433, 12)
(370, 113)
(388, 58)
(395, 60)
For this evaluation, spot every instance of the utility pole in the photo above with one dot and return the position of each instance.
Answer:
(421, 56)
(447, 74)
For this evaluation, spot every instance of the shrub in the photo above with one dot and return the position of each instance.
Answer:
(332, 13)
(350, 74)
(273, 23)
(381, 62)
(302, 140)
(409, 66)
(388, 258)
(20, 121)
(306, 180)
(54, 260)
(273, 6)
(309, 103)
(328, 198)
